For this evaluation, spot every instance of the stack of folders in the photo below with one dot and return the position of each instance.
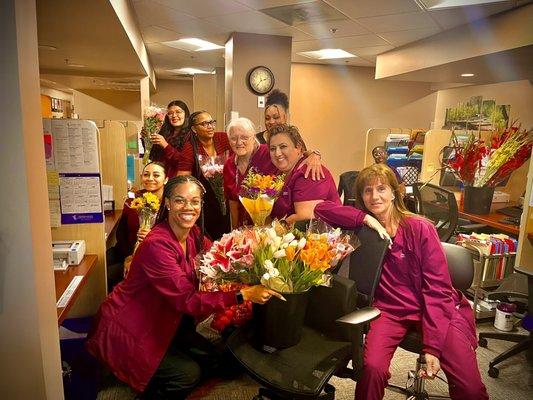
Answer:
(496, 253)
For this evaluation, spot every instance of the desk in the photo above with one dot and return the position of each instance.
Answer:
(63, 278)
(111, 222)
(492, 219)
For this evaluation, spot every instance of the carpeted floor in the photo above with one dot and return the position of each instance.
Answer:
(514, 383)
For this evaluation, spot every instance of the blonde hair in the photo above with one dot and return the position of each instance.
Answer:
(382, 173)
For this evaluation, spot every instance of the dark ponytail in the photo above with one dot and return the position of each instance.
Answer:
(162, 215)
(194, 141)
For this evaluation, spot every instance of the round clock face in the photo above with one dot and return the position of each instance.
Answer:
(260, 80)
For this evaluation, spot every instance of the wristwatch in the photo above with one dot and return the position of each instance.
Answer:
(239, 297)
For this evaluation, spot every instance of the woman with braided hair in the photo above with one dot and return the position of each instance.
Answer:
(145, 330)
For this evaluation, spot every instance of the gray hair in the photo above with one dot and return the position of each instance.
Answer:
(243, 123)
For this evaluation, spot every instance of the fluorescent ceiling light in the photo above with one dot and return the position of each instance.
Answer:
(437, 4)
(192, 44)
(327, 54)
(190, 71)
(76, 65)
(467, 75)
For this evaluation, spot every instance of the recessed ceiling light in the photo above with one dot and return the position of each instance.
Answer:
(47, 47)
(467, 75)
(74, 65)
(327, 54)
(438, 4)
(191, 71)
(192, 44)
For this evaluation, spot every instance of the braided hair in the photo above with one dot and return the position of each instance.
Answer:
(194, 141)
(278, 98)
(162, 215)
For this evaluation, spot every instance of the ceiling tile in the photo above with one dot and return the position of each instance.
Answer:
(248, 21)
(403, 37)
(152, 13)
(398, 22)
(369, 51)
(205, 8)
(261, 4)
(452, 17)
(323, 30)
(154, 34)
(365, 8)
(350, 42)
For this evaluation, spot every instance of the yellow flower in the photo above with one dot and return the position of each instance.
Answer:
(136, 203)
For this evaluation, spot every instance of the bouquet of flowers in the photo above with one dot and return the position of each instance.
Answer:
(279, 257)
(479, 165)
(153, 118)
(258, 194)
(212, 168)
(147, 205)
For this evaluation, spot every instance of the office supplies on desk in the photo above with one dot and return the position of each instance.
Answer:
(70, 250)
(513, 211)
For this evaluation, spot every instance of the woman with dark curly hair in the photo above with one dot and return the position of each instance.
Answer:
(276, 112)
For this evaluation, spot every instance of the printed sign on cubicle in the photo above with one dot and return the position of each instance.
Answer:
(75, 158)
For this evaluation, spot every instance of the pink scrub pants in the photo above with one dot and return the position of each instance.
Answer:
(458, 358)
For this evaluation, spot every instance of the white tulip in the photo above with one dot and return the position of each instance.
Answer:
(268, 265)
(266, 276)
(273, 272)
(289, 237)
(301, 243)
(279, 253)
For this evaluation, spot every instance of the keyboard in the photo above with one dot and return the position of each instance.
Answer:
(513, 211)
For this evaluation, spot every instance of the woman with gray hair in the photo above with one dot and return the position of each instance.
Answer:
(249, 153)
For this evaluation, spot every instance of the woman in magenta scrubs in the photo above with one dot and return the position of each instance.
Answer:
(414, 292)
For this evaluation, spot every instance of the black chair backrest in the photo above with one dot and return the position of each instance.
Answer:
(460, 265)
(366, 262)
(438, 205)
(346, 186)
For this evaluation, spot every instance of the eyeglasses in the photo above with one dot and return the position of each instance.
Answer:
(235, 139)
(181, 202)
(172, 113)
(205, 124)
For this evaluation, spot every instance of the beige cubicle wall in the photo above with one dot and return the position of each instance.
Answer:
(434, 141)
(113, 155)
(524, 254)
(377, 137)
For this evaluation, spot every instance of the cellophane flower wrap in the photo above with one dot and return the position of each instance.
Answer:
(212, 168)
(278, 256)
(147, 206)
(153, 118)
(258, 193)
(478, 164)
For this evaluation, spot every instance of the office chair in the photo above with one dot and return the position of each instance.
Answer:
(331, 337)
(346, 184)
(438, 205)
(461, 267)
(515, 285)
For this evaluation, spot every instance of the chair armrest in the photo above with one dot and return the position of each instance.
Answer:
(360, 316)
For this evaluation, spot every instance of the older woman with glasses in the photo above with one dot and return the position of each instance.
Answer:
(248, 154)
(205, 143)
(169, 141)
(145, 330)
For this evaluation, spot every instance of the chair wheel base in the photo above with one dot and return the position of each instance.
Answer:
(494, 372)
(482, 342)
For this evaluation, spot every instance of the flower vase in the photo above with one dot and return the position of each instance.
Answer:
(279, 323)
(146, 218)
(259, 209)
(478, 200)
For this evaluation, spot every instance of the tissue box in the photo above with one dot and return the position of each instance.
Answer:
(500, 197)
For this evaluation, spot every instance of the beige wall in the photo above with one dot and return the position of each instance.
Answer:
(275, 54)
(519, 94)
(334, 107)
(169, 89)
(108, 104)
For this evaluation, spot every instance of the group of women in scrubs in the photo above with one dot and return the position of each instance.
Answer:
(145, 330)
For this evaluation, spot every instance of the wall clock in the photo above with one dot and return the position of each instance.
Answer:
(260, 80)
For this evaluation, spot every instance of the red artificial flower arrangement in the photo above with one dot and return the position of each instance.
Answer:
(477, 164)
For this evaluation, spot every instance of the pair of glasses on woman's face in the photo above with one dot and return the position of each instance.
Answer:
(205, 124)
(177, 113)
(182, 202)
(243, 139)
